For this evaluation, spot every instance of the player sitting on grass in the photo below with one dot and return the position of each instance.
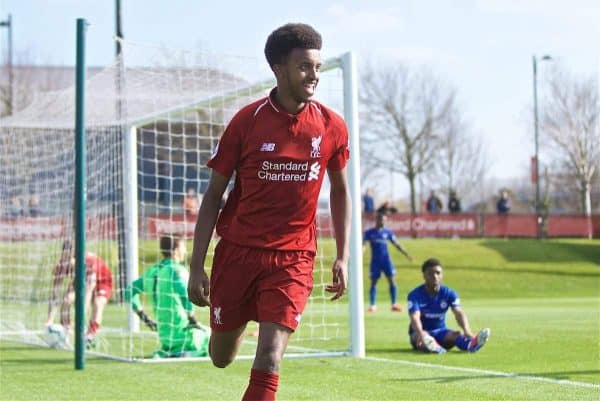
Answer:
(166, 285)
(98, 290)
(378, 238)
(427, 307)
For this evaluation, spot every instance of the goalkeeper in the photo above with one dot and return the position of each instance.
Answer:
(166, 284)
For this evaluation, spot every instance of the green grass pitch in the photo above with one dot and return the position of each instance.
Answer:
(541, 300)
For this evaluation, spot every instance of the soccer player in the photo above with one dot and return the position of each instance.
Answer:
(427, 307)
(279, 148)
(378, 238)
(179, 332)
(98, 290)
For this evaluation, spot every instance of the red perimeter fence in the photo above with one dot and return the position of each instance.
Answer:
(403, 224)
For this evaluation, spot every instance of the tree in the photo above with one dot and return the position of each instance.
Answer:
(405, 114)
(570, 121)
(461, 163)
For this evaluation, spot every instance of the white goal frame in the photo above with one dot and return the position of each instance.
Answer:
(347, 63)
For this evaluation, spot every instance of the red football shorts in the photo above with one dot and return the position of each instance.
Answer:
(104, 287)
(263, 285)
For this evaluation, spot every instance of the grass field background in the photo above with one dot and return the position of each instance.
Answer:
(541, 300)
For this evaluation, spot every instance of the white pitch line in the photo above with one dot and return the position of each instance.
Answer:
(488, 372)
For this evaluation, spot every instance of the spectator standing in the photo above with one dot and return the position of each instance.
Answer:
(16, 208)
(454, 203)
(434, 204)
(503, 205)
(368, 202)
(34, 206)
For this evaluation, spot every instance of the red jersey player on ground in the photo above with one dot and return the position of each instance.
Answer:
(98, 290)
(279, 148)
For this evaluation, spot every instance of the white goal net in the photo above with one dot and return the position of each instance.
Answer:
(152, 121)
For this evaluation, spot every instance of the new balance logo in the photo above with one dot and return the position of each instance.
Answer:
(315, 169)
(217, 315)
(267, 147)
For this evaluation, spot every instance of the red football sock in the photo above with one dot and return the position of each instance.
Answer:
(262, 387)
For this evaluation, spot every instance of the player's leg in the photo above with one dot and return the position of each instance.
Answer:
(479, 340)
(390, 274)
(374, 275)
(465, 343)
(224, 345)
(429, 342)
(232, 282)
(373, 296)
(282, 295)
(451, 338)
(273, 339)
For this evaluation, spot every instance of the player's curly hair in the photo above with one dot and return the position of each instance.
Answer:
(168, 243)
(431, 262)
(288, 37)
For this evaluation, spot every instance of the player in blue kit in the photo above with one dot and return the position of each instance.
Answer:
(427, 307)
(378, 237)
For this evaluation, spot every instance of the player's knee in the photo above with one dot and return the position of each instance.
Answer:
(220, 359)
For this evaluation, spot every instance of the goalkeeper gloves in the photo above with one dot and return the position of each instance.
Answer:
(193, 323)
(146, 319)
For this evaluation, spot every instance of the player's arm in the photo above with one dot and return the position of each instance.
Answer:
(340, 214)
(415, 322)
(462, 320)
(132, 295)
(401, 248)
(199, 286)
(58, 276)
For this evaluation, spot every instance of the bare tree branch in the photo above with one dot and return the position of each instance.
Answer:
(570, 121)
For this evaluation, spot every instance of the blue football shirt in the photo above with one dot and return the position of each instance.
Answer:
(433, 309)
(378, 239)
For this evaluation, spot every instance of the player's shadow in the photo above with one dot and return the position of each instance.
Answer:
(391, 351)
(566, 375)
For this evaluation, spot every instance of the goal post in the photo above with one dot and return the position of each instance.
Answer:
(176, 105)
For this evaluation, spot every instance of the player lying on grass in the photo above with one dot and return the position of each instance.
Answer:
(98, 290)
(378, 238)
(166, 285)
(427, 307)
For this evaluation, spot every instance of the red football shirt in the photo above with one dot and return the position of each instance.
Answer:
(97, 267)
(280, 161)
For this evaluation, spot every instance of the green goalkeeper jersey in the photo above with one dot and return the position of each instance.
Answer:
(166, 285)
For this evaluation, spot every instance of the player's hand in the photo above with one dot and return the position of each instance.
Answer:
(147, 321)
(193, 323)
(340, 279)
(198, 287)
(410, 258)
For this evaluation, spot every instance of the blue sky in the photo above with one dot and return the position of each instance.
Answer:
(481, 47)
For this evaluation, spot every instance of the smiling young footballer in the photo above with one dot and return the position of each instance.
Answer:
(427, 307)
(279, 148)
